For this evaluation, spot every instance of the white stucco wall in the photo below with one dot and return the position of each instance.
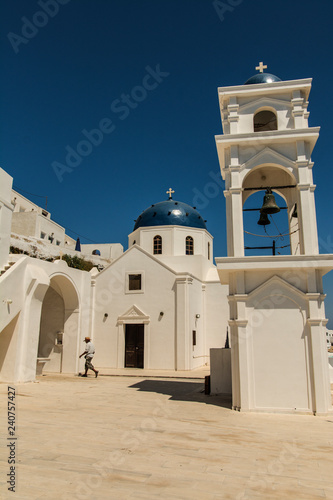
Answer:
(6, 211)
(186, 302)
(280, 341)
(34, 224)
(109, 251)
(173, 240)
(22, 291)
(112, 298)
(217, 314)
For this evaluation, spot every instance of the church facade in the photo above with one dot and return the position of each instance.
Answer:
(159, 305)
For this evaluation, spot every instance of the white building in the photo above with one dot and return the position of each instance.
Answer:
(33, 231)
(159, 305)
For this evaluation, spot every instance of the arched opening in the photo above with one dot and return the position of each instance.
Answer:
(52, 326)
(208, 250)
(157, 245)
(189, 245)
(96, 252)
(279, 233)
(270, 237)
(59, 326)
(264, 120)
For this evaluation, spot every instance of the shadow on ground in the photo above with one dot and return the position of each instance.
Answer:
(183, 391)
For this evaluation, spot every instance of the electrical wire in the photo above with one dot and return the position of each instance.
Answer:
(67, 228)
(81, 235)
(27, 192)
(281, 235)
(276, 236)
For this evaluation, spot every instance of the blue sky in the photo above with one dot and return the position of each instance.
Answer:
(67, 76)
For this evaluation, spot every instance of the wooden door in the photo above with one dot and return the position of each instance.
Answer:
(134, 346)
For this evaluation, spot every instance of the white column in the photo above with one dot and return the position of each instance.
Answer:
(183, 334)
(239, 365)
(319, 361)
(233, 116)
(235, 368)
(237, 234)
(306, 201)
(146, 352)
(230, 247)
(121, 345)
(308, 223)
(298, 110)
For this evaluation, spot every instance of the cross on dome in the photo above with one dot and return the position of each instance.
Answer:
(170, 192)
(261, 67)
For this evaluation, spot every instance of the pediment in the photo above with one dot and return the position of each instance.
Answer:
(134, 314)
(264, 102)
(276, 287)
(268, 156)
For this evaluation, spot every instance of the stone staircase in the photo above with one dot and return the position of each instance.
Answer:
(6, 267)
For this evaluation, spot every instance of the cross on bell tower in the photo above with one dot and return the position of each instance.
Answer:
(261, 67)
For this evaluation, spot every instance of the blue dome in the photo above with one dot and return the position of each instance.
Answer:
(262, 78)
(170, 213)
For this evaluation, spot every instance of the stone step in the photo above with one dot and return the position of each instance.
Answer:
(6, 267)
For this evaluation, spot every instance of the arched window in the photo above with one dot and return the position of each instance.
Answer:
(96, 252)
(264, 120)
(157, 245)
(189, 245)
(208, 251)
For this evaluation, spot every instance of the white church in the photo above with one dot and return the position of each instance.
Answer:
(159, 305)
(163, 303)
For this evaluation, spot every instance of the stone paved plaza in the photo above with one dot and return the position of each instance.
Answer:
(121, 437)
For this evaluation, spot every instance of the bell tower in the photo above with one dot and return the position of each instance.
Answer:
(277, 317)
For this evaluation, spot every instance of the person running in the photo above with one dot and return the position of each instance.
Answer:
(89, 354)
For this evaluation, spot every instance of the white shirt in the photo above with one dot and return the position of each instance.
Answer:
(90, 350)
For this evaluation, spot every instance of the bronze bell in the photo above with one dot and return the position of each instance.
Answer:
(269, 205)
(264, 220)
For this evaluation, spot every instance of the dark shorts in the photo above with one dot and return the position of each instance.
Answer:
(89, 364)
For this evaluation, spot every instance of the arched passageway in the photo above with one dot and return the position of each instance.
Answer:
(59, 326)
